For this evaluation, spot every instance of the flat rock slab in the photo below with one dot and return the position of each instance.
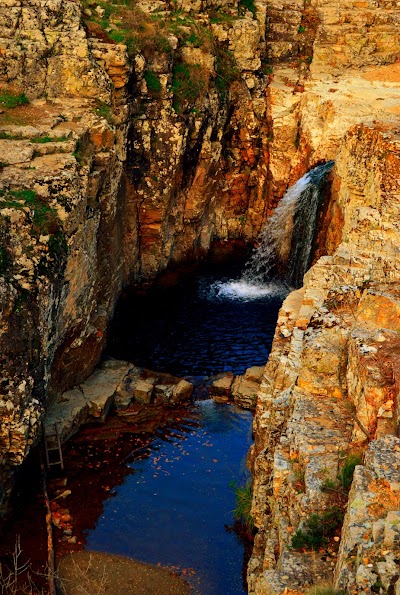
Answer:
(116, 383)
(15, 151)
(89, 402)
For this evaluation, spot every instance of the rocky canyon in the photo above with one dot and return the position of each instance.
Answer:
(137, 136)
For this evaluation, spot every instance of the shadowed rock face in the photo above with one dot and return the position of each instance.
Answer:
(102, 181)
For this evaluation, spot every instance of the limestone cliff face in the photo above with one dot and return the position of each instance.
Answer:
(63, 211)
(331, 388)
(113, 171)
(333, 65)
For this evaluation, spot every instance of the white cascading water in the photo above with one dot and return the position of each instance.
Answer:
(286, 241)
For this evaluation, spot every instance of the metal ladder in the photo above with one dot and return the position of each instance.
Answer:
(52, 447)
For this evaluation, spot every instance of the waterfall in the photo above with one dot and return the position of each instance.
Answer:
(285, 243)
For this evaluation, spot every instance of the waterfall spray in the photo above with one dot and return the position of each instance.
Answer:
(286, 241)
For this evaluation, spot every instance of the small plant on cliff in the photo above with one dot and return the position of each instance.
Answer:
(152, 82)
(245, 5)
(218, 16)
(226, 69)
(44, 218)
(317, 529)
(344, 477)
(11, 100)
(242, 511)
(189, 82)
(48, 139)
(103, 111)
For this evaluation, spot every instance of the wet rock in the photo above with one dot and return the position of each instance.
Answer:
(142, 392)
(162, 393)
(182, 391)
(91, 401)
(220, 389)
(244, 392)
(117, 383)
(124, 392)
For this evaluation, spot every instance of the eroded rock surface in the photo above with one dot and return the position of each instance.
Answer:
(105, 178)
(330, 391)
(114, 171)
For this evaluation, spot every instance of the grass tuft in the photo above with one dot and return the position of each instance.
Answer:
(152, 82)
(189, 82)
(48, 139)
(11, 100)
(242, 510)
(317, 529)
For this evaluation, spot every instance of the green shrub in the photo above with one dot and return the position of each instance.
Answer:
(345, 475)
(245, 5)
(242, 510)
(11, 100)
(317, 529)
(152, 82)
(226, 69)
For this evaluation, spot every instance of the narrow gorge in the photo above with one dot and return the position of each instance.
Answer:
(143, 138)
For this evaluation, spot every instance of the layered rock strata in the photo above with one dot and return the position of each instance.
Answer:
(330, 392)
(110, 173)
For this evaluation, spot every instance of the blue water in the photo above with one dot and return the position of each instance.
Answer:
(175, 507)
(194, 329)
